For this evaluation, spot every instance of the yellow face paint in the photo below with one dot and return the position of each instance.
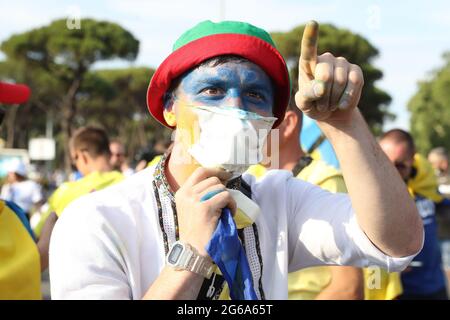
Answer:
(170, 118)
(187, 133)
(188, 130)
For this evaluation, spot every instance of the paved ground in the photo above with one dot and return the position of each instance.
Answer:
(45, 286)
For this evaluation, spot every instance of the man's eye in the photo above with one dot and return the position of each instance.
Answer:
(212, 91)
(256, 95)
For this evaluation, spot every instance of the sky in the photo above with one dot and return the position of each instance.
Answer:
(410, 35)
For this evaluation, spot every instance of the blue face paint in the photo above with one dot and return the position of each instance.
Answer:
(243, 85)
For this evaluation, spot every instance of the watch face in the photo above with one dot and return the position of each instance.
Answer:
(175, 253)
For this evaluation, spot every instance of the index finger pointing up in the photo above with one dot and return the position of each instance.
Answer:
(308, 50)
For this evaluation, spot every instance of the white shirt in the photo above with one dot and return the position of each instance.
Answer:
(110, 244)
(24, 193)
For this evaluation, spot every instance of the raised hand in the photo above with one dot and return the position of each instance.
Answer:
(329, 87)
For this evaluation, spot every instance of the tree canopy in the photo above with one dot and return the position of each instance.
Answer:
(430, 110)
(66, 55)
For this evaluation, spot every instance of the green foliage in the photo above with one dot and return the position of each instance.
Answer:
(66, 52)
(116, 100)
(430, 112)
(55, 60)
(355, 49)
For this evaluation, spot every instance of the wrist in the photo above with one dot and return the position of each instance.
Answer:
(344, 124)
(184, 257)
(196, 243)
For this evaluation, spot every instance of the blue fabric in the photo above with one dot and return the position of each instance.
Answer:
(22, 216)
(445, 202)
(309, 135)
(227, 252)
(428, 277)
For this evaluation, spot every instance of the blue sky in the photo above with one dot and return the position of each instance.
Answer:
(410, 35)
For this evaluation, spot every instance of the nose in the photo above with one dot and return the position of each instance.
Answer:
(234, 99)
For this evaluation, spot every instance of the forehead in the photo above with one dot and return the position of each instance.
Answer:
(433, 157)
(233, 72)
(395, 150)
(115, 145)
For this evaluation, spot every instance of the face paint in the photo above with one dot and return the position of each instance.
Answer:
(219, 111)
(229, 138)
(243, 85)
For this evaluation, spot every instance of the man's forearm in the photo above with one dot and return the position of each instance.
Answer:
(384, 208)
(175, 285)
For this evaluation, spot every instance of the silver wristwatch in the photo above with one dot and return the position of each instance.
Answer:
(183, 256)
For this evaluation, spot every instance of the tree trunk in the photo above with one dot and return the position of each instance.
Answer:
(10, 118)
(69, 111)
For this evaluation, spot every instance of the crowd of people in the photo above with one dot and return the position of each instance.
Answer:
(186, 222)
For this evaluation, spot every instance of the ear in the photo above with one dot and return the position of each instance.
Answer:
(444, 165)
(289, 125)
(84, 157)
(169, 111)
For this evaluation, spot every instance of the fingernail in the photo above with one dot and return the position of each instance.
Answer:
(319, 88)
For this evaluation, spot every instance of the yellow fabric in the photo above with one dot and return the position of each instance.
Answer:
(425, 182)
(70, 191)
(20, 270)
(390, 285)
(307, 283)
(38, 228)
(241, 219)
(258, 171)
(154, 161)
(323, 175)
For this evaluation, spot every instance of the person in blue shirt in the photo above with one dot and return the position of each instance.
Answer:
(424, 278)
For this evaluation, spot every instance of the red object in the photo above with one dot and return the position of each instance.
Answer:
(197, 51)
(14, 93)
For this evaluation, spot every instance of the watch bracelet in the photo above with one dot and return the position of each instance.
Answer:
(201, 265)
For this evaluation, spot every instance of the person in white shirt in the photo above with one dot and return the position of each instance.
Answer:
(149, 237)
(19, 189)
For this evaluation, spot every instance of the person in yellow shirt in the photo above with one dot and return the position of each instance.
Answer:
(330, 282)
(20, 270)
(90, 154)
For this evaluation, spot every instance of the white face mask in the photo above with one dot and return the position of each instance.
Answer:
(230, 138)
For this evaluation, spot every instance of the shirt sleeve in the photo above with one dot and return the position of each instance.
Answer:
(85, 257)
(323, 230)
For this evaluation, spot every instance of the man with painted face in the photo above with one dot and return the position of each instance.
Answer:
(156, 235)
